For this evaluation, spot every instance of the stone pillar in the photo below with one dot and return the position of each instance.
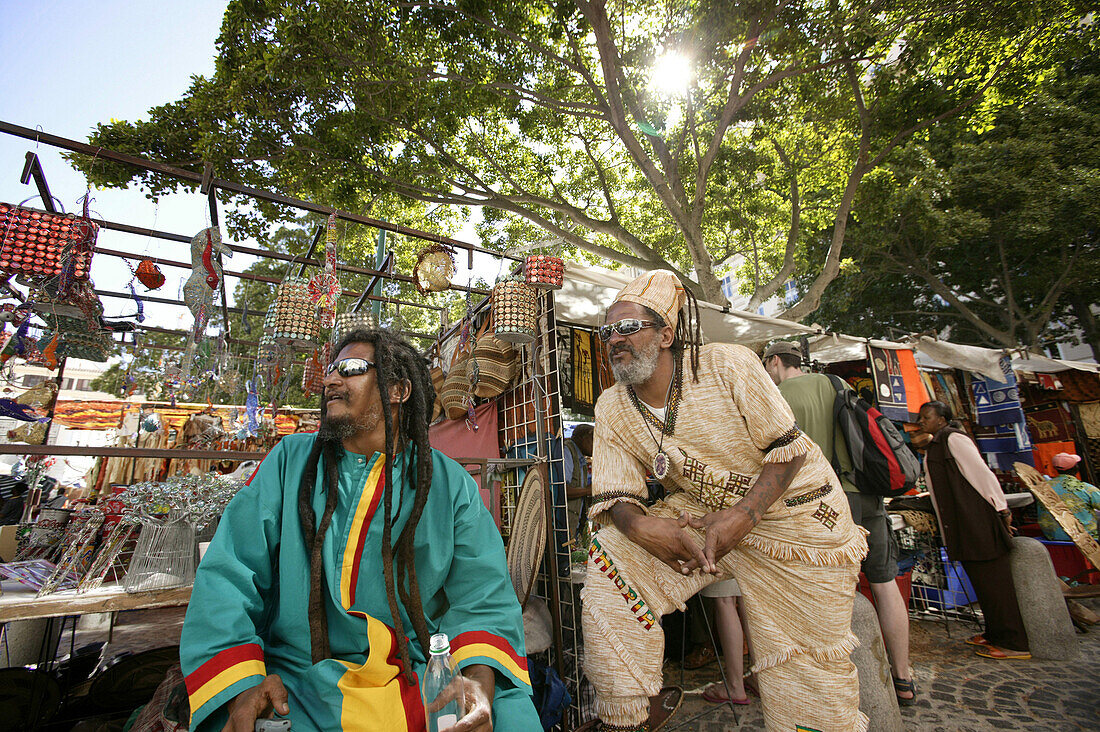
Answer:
(1046, 618)
(876, 687)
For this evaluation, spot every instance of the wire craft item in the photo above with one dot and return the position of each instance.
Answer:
(544, 271)
(109, 556)
(79, 545)
(39, 245)
(324, 287)
(515, 311)
(164, 557)
(149, 274)
(435, 266)
(295, 319)
(46, 533)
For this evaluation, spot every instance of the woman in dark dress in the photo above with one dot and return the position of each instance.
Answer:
(976, 525)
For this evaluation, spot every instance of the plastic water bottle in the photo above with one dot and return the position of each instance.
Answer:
(441, 678)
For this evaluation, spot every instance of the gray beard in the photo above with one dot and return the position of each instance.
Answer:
(643, 362)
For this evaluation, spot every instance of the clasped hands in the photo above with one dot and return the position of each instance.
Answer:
(668, 540)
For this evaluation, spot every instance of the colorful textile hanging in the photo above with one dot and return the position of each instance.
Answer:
(584, 373)
(1007, 443)
(998, 402)
(1048, 423)
(898, 386)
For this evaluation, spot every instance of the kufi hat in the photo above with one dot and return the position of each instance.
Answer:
(1065, 460)
(660, 291)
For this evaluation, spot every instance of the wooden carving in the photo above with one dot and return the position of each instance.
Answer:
(1037, 484)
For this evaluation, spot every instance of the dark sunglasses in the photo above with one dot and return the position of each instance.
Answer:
(626, 327)
(348, 367)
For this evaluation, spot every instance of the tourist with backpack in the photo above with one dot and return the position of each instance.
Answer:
(827, 412)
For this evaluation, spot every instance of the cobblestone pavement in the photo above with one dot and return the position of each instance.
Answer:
(957, 690)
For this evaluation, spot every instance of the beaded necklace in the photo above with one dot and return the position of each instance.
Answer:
(660, 461)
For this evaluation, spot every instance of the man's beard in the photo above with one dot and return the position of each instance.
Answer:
(337, 429)
(643, 362)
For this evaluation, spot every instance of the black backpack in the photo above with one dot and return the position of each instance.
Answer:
(882, 464)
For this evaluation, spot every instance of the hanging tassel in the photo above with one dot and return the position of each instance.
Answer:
(140, 304)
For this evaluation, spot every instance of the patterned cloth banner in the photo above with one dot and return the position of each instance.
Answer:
(1008, 443)
(998, 402)
(1049, 423)
(898, 385)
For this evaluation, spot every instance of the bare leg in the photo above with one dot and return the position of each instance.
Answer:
(894, 620)
(728, 623)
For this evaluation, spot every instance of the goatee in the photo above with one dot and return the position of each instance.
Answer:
(337, 429)
(643, 362)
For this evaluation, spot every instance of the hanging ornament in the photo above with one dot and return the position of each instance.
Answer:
(324, 287)
(39, 396)
(13, 409)
(252, 408)
(149, 274)
(435, 266)
(140, 317)
(206, 272)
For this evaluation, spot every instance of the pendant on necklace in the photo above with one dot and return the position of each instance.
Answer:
(660, 465)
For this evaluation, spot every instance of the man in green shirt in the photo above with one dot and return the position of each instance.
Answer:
(811, 398)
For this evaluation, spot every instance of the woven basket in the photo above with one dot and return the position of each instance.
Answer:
(295, 319)
(347, 322)
(515, 311)
(496, 363)
(455, 395)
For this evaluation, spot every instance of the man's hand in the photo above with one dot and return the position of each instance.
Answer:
(664, 538)
(256, 703)
(724, 530)
(1006, 517)
(478, 687)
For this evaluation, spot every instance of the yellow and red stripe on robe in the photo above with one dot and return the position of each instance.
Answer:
(480, 646)
(222, 671)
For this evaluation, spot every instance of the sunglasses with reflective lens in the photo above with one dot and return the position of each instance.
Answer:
(626, 327)
(348, 367)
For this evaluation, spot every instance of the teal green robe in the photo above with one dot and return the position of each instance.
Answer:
(248, 615)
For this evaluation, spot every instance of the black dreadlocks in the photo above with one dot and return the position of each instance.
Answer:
(688, 333)
(396, 363)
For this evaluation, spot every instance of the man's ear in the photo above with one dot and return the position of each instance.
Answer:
(668, 335)
(400, 393)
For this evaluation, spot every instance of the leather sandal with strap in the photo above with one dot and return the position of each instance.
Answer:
(902, 686)
(1002, 654)
(977, 640)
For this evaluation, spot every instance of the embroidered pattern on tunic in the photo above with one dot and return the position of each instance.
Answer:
(826, 515)
(714, 488)
(638, 606)
(601, 497)
(803, 499)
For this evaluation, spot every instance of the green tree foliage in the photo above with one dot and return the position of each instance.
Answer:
(993, 232)
(543, 113)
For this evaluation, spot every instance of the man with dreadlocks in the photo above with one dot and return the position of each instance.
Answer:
(346, 551)
(749, 496)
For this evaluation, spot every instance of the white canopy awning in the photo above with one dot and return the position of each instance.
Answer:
(588, 291)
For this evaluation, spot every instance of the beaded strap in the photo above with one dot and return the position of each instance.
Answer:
(805, 498)
(785, 439)
(669, 423)
(605, 727)
(602, 497)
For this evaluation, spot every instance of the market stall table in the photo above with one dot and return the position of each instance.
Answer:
(19, 602)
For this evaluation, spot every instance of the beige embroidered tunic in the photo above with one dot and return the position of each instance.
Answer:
(727, 426)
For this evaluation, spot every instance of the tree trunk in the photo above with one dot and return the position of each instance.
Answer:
(1087, 321)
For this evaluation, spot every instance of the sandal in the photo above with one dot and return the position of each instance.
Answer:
(1002, 654)
(977, 640)
(902, 686)
(701, 656)
(714, 694)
